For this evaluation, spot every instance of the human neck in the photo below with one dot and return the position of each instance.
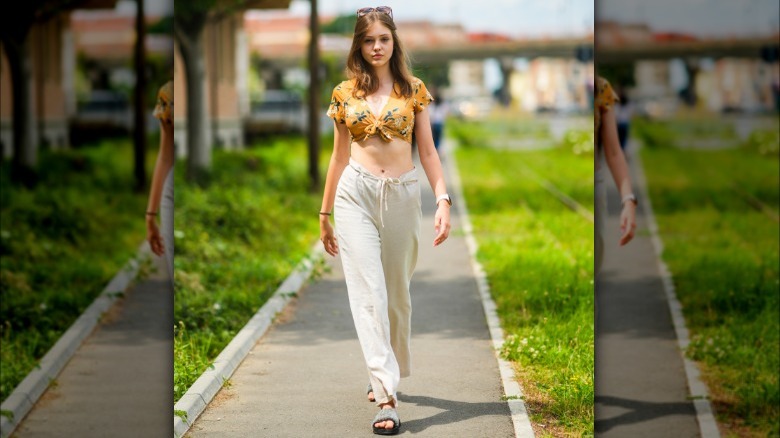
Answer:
(384, 76)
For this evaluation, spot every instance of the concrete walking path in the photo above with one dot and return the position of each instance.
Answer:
(119, 382)
(641, 385)
(307, 377)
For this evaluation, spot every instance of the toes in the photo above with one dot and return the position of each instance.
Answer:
(389, 424)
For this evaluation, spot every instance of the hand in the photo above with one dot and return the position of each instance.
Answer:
(441, 223)
(627, 223)
(154, 237)
(328, 237)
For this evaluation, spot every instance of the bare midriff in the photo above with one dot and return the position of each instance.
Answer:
(383, 159)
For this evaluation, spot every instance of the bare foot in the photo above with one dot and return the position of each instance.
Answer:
(389, 424)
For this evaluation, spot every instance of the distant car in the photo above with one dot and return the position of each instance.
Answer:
(278, 111)
(105, 109)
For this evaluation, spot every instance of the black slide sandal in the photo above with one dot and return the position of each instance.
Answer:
(386, 415)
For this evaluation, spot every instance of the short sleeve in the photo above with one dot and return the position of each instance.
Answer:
(605, 96)
(336, 108)
(421, 96)
(163, 110)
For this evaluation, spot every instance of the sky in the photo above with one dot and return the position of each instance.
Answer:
(536, 18)
(516, 18)
(711, 18)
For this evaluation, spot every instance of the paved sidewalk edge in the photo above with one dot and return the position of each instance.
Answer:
(26, 394)
(697, 389)
(206, 387)
(512, 391)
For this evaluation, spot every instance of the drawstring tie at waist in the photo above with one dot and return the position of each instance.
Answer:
(384, 183)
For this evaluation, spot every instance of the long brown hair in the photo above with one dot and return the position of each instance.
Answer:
(366, 81)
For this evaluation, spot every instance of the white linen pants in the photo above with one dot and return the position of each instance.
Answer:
(166, 221)
(600, 195)
(378, 231)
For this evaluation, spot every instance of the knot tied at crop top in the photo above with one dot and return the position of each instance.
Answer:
(396, 118)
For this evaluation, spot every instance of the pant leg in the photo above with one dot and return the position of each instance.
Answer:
(400, 238)
(357, 228)
(166, 221)
(600, 196)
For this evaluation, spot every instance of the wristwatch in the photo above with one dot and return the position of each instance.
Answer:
(445, 197)
(630, 197)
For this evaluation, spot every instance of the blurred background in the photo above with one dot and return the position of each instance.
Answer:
(78, 84)
(699, 89)
(253, 141)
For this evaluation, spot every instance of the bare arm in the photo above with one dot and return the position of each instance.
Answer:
(429, 158)
(338, 161)
(163, 165)
(618, 167)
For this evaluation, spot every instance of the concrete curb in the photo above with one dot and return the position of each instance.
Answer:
(26, 394)
(512, 391)
(200, 394)
(698, 390)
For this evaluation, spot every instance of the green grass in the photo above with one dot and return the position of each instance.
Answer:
(60, 244)
(716, 212)
(538, 255)
(236, 241)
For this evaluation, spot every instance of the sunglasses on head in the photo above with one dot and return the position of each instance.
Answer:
(384, 9)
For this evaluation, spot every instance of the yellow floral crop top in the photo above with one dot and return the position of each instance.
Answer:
(164, 108)
(396, 118)
(605, 98)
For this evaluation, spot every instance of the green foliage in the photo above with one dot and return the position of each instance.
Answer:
(60, 244)
(653, 135)
(580, 142)
(764, 142)
(433, 75)
(618, 74)
(163, 26)
(343, 24)
(236, 240)
(725, 260)
(538, 256)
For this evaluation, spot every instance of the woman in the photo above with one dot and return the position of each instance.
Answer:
(608, 146)
(373, 184)
(162, 182)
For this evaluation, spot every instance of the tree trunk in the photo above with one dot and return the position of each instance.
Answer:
(25, 146)
(198, 143)
(139, 126)
(314, 99)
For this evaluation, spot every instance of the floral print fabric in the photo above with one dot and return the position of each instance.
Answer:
(605, 98)
(164, 108)
(396, 119)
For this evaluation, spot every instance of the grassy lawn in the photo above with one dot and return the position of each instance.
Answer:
(538, 255)
(60, 244)
(717, 215)
(236, 241)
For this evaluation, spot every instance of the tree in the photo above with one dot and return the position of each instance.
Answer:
(343, 24)
(191, 17)
(14, 31)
